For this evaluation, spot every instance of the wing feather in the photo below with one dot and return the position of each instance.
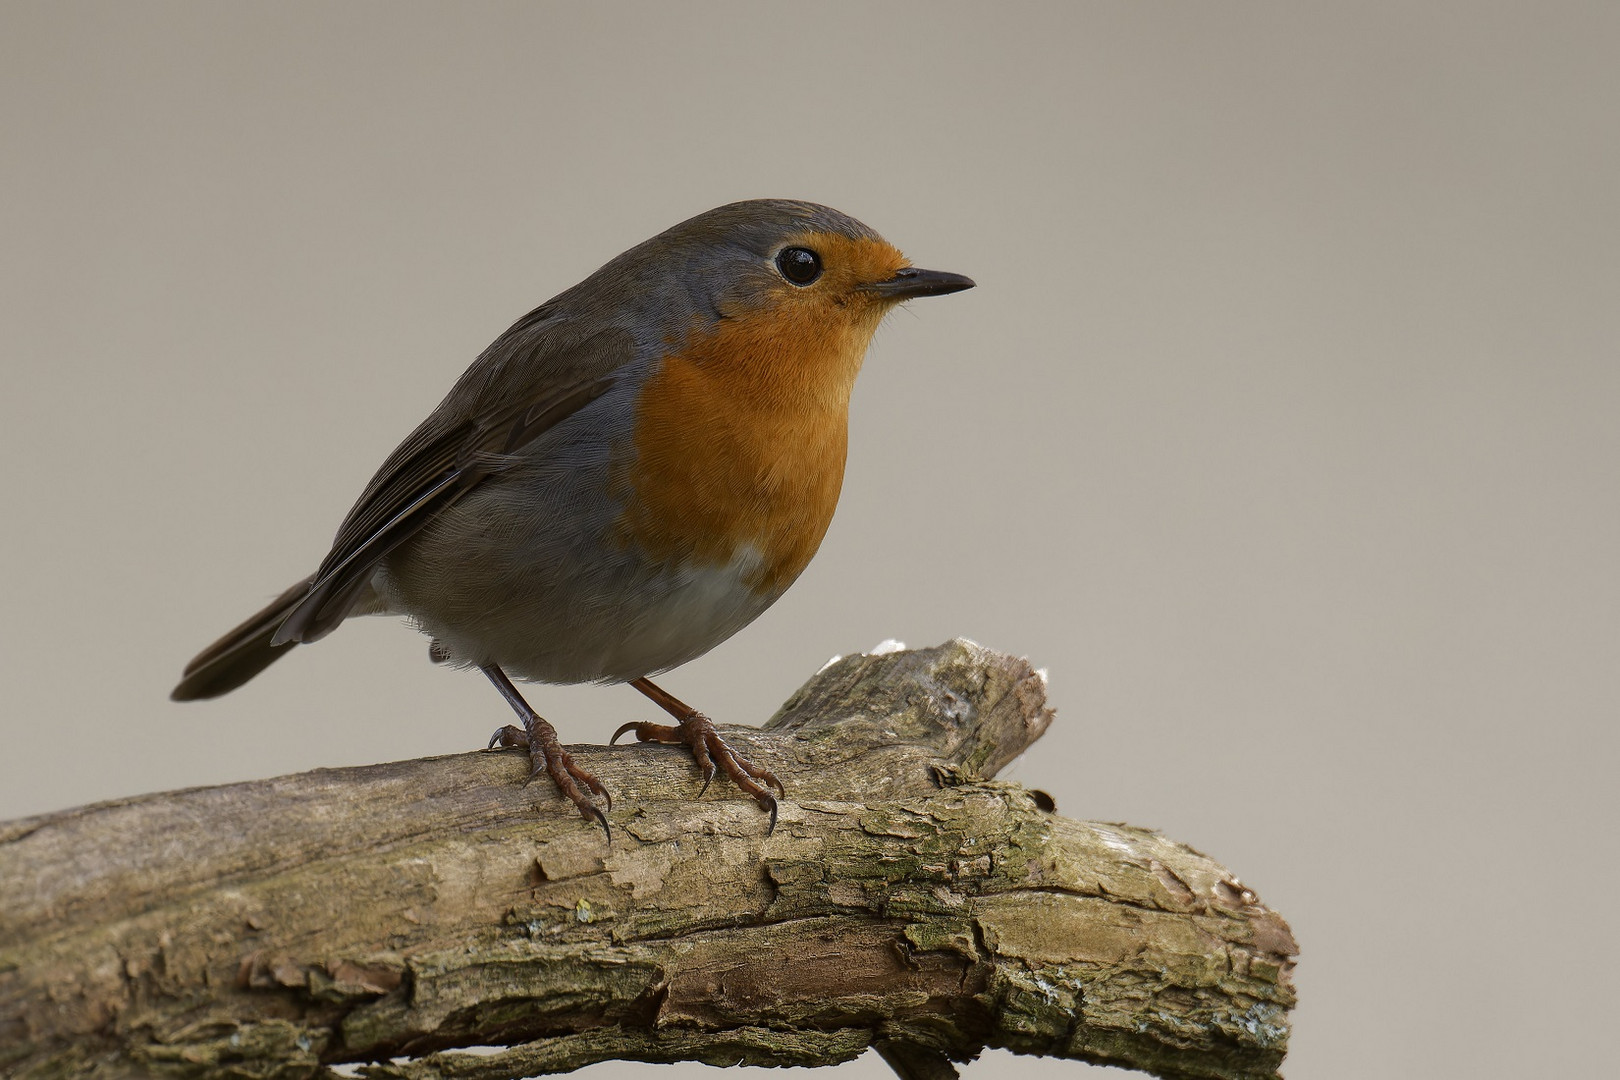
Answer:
(531, 379)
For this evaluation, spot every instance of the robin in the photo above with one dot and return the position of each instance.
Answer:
(626, 477)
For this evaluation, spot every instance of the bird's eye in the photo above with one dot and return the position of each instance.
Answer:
(799, 265)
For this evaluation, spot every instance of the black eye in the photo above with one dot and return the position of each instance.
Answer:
(799, 265)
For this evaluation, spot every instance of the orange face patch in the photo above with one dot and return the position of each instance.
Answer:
(741, 433)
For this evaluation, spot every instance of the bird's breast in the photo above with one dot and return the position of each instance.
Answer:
(739, 448)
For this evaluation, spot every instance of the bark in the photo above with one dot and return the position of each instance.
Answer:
(399, 913)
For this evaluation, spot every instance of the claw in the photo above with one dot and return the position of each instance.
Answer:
(508, 737)
(631, 726)
(708, 778)
(772, 826)
(602, 819)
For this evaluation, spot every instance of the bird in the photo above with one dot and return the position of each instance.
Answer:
(630, 474)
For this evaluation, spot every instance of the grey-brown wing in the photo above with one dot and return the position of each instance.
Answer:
(528, 381)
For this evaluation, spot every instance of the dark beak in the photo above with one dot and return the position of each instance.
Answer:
(912, 282)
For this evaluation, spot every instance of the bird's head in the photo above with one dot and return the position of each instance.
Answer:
(793, 290)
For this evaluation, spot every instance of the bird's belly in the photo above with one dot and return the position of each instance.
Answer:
(609, 622)
(650, 621)
(530, 576)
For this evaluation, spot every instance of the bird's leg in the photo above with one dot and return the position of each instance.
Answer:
(697, 733)
(546, 754)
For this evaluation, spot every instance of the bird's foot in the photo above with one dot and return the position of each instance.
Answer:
(546, 756)
(712, 753)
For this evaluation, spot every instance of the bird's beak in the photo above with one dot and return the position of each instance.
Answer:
(911, 282)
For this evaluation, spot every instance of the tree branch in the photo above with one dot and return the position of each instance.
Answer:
(408, 910)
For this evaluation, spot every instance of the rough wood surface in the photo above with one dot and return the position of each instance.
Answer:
(905, 902)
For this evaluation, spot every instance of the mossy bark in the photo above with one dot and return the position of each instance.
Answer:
(906, 902)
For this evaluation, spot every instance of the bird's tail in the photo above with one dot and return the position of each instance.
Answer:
(242, 653)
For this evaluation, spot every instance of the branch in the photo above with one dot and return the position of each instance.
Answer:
(403, 911)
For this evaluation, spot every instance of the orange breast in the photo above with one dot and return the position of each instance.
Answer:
(740, 440)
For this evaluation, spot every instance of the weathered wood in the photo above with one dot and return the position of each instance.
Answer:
(906, 901)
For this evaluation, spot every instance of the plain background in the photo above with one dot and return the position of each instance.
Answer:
(1283, 427)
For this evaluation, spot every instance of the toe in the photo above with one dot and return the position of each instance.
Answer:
(508, 737)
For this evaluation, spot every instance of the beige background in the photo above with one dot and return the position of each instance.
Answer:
(1282, 427)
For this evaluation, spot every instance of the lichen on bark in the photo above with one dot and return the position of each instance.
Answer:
(399, 914)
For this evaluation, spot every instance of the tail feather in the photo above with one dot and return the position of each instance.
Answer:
(242, 653)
